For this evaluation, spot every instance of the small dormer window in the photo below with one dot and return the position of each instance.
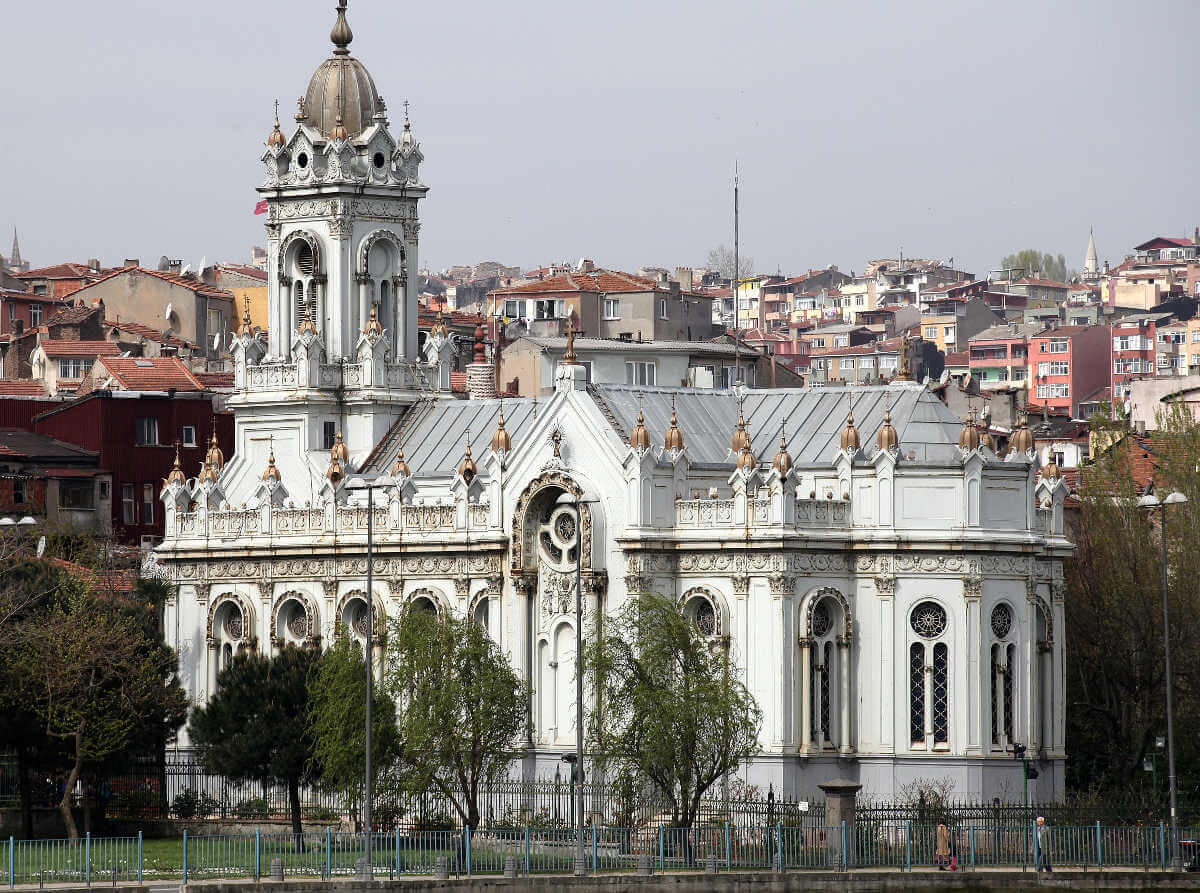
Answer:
(302, 160)
(379, 161)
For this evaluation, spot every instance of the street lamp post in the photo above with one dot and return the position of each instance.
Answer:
(370, 485)
(1151, 502)
(577, 504)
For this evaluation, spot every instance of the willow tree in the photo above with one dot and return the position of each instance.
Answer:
(669, 708)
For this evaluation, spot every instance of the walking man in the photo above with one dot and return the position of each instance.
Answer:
(1043, 846)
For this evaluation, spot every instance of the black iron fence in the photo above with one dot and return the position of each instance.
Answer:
(179, 787)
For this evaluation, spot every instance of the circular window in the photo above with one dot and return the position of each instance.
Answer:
(379, 160)
(704, 615)
(820, 620)
(1001, 620)
(302, 160)
(928, 620)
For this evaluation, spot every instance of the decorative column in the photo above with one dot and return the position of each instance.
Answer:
(521, 652)
(1033, 655)
(782, 588)
(843, 646)
(972, 597)
(885, 590)
(364, 303)
(806, 682)
(286, 325)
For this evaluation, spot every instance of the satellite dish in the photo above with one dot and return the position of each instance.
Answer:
(170, 311)
(164, 264)
(966, 380)
(41, 549)
(944, 377)
(203, 265)
(187, 268)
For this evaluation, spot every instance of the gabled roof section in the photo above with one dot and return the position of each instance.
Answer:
(79, 348)
(151, 334)
(600, 280)
(61, 271)
(18, 443)
(194, 285)
(157, 374)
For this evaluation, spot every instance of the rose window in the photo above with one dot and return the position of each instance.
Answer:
(1001, 620)
(821, 621)
(928, 620)
(233, 623)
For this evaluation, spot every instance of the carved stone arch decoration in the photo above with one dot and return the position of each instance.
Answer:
(808, 608)
(242, 630)
(426, 594)
(473, 604)
(714, 626)
(359, 623)
(523, 556)
(374, 237)
(305, 627)
(285, 250)
(1047, 616)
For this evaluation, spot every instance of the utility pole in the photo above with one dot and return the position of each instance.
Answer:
(737, 281)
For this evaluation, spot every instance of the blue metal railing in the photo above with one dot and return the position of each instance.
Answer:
(900, 845)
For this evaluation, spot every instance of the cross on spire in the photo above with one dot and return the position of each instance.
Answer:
(406, 114)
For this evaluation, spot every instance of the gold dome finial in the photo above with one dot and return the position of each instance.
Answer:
(373, 327)
(276, 140)
(501, 442)
(339, 131)
(341, 35)
(272, 473)
(968, 438)
(400, 467)
(1050, 470)
(640, 438)
(985, 436)
(467, 468)
(741, 437)
(850, 438)
(339, 451)
(747, 460)
(307, 326)
(887, 438)
(214, 456)
(1022, 438)
(674, 437)
(177, 476)
(440, 327)
(783, 459)
(208, 474)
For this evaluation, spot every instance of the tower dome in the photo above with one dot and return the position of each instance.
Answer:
(341, 95)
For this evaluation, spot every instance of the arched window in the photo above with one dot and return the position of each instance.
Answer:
(227, 637)
(825, 665)
(699, 608)
(305, 292)
(294, 624)
(929, 677)
(1003, 670)
(1042, 684)
(423, 604)
(480, 614)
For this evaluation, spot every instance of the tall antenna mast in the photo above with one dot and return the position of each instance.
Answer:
(737, 281)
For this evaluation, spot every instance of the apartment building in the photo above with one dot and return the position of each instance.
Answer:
(1068, 363)
(999, 356)
(1134, 350)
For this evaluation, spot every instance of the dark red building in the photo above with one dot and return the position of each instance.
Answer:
(134, 433)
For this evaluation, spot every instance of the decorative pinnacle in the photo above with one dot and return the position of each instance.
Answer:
(406, 121)
(569, 357)
(341, 35)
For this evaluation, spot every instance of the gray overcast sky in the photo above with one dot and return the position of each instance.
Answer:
(555, 130)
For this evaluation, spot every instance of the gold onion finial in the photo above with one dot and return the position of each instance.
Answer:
(373, 327)
(276, 140)
(569, 357)
(272, 473)
(887, 439)
(968, 438)
(640, 438)
(1022, 438)
(741, 437)
(214, 456)
(339, 131)
(850, 438)
(783, 459)
(674, 437)
(400, 467)
(467, 468)
(177, 476)
(501, 441)
(247, 328)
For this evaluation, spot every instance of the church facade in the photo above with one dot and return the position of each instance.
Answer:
(888, 588)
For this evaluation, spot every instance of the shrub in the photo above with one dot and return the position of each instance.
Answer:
(252, 808)
(185, 803)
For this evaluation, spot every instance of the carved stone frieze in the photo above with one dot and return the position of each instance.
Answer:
(782, 584)
(885, 585)
(740, 585)
(462, 587)
(636, 583)
(972, 586)
(1005, 565)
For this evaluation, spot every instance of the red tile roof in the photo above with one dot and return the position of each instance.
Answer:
(958, 358)
(1043, 283)
(245, 270)
(192, 284)
(22, 388)
(61, 271)
(610, 281)
(151, 334)
(105, 581)
(10, 295)
(79, 348)
(70, 315)
(215, 379)
(157, 374)
(458, 382)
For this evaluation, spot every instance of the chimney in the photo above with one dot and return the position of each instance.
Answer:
(132, 262)
(94, 264)
(1196, 236)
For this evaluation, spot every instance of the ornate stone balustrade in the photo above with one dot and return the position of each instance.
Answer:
(714, 514)
(324, 520)
(823, 513)
(703, 512)
(272, 377)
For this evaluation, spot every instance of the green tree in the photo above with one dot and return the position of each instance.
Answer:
(1116, 703)
(255, 727)
(460, 707)
(1034, 263)
(672, 710)
(337, 698)
(94, 671)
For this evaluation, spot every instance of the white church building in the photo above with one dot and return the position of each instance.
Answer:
(889, 589)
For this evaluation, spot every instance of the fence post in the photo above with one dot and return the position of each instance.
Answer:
(527, 851)
(185, 858)
(845, 857)
(1099, 848)
(139, 857)
(1162, 846)
(662, 865)
(971, 832)
(399, 860)
(467, 833)
(12, 862)
(595, 849)
(908, 846)
(87, 858)
(257, 854)
(728, 851)
(779, 845)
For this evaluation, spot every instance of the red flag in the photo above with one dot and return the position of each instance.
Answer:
(261, 207)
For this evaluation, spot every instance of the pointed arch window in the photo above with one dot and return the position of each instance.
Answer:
(1003, 673)
(825, 690)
